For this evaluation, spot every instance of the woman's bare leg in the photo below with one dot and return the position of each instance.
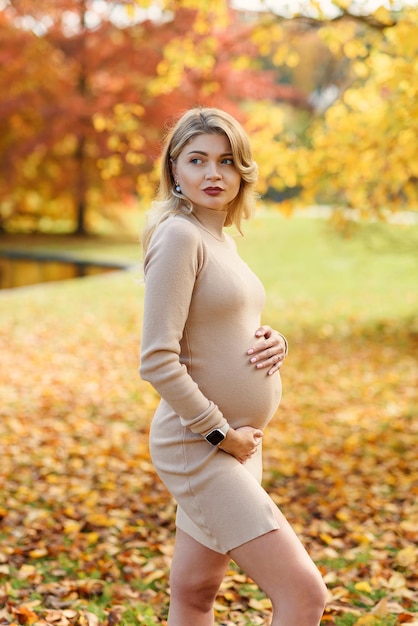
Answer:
(279, 564)
(196, 575)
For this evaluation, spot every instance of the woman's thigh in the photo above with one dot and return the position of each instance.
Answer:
(280, 565)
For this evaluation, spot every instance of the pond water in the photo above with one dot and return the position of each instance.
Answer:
(21, 272)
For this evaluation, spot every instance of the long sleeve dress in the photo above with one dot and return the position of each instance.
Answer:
(202, 307)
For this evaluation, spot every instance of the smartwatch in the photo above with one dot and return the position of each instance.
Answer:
(217, 435)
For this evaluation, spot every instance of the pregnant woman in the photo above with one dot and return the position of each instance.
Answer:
(215, 367)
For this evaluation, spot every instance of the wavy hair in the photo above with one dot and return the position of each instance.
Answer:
(199, 121)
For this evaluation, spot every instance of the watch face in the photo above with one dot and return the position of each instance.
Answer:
(215, 437)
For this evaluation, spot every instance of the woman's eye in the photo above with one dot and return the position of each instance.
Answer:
(195, 161)
(228, 162)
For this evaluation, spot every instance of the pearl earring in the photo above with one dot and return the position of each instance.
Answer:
(177, 186)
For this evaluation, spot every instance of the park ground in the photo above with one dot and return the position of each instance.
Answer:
(86, 528)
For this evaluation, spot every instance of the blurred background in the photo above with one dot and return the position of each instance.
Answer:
(327, 91)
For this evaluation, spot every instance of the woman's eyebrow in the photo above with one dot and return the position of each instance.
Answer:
(206, 154)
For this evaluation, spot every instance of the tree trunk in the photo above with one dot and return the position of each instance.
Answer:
(81, 188)
(81, 182)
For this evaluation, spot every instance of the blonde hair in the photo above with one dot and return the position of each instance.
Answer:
(198, 121)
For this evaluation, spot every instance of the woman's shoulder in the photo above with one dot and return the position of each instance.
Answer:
(176, 231)
(178, 227)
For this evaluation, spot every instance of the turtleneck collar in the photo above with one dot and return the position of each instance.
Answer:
(211, 220)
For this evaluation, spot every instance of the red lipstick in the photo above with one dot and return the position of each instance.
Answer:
(213, 191)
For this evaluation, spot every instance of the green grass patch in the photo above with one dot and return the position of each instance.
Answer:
(315, 276)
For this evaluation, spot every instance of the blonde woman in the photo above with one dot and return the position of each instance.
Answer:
(215, 367)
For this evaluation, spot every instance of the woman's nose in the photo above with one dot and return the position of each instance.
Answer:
(212, 172)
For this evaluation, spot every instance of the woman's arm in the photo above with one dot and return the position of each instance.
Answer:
(171, 267)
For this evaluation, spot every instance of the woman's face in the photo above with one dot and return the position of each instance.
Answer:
(206, 172)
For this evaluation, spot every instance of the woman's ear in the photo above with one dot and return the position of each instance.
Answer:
(173, 168)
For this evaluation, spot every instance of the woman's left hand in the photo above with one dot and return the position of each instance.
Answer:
(269, 351)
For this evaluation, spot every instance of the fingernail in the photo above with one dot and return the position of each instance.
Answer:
(253, 360)
(250, 351)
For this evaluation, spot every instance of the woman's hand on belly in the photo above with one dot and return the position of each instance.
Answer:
(242, 442)
(269, 351)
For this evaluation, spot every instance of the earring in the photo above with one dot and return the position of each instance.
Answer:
(177, 186)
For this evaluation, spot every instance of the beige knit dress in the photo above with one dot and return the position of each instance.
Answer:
(202, 308)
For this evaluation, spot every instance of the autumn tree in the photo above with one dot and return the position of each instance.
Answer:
(80, 133)
(360, 149)
(57, 162)
(365, 150)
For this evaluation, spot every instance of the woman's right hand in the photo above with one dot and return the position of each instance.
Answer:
(242, 442)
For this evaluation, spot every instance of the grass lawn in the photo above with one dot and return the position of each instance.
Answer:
(86, 529)
(314, 276)
(305, 265)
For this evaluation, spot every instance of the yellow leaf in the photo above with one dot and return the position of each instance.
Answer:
(363, 586)
(130, 10)
(260, 605)
(396, 581)
(383, 15)
(92, 538)
(155, 575)
(367, 620)
(220, 608)
(26, 571)
(99, 519)
(407, 556)
(343, 4)
(38, 553)
(99, 122)
(343, 516)
(228, 595)
(72, 526)
(326, 538)
(381, 608)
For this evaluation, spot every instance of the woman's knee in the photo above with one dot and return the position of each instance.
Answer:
(194, 591)
(318, 593)
(307, 598)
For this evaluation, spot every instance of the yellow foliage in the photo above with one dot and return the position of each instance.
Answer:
(364, 150)
(360, 69)
(99, 122)
(130, 10)
(363, 586)
(110, 167)
(144, 4)
(292, 58)
(134, 158)
(265, 124)
(383, 15)
(280, 54)
(146, 186)
(343, 4)
(355, 48)
(241, 63)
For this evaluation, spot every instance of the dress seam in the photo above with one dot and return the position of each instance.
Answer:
(195, 497)
(190, 487)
